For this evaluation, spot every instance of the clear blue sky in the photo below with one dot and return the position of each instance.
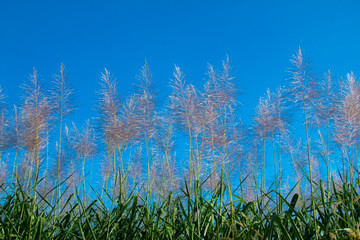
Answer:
(259, 37)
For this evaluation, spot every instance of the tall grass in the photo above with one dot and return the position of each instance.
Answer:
(188, 169)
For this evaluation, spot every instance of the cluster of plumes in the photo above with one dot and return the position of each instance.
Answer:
(196, 136)
(140, 139)
(130, 130)
(208, 119)
(330, 112)
(271, 122)
(26, 134)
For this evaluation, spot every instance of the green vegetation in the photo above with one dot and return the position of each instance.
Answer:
(182, 217)
(188, 170)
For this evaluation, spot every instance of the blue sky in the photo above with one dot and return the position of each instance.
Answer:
(258, 36)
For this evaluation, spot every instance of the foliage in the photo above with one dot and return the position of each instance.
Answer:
(190, 169)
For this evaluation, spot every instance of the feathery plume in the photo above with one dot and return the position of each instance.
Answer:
(61, 99)
(36, 113)
(61, 96)
(186, 108)
(145, 105)
(303, 89)
(110, 122)
(347, 121)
